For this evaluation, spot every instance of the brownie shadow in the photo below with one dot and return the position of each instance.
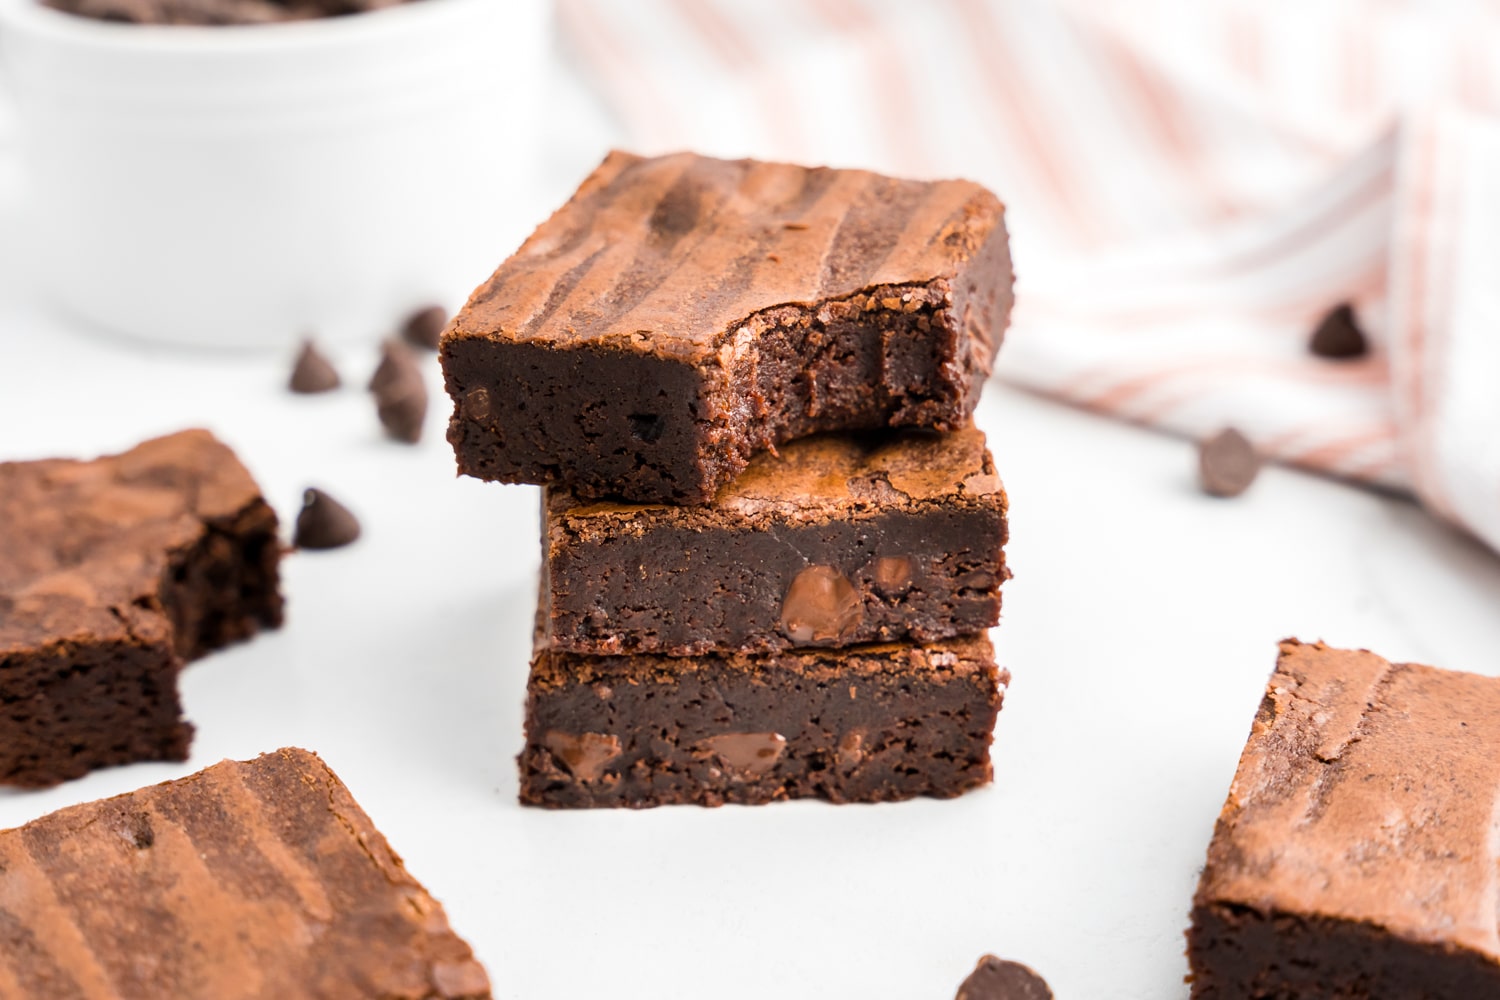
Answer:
(468, 689)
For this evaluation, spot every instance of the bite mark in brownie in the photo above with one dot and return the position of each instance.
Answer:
(112, 573)
(680, 314)
(837, 540)
(1355, 857)
(867, 724)
(248, 879)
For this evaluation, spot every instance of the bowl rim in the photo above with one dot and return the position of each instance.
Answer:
(32, 18)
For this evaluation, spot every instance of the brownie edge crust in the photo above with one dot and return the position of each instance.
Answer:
(865, 724)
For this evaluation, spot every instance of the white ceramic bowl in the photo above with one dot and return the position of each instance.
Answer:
(242, 186)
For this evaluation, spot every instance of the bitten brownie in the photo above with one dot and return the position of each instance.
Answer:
(681, 313)
(867, 724)
(246, 880)
(838, 540)
(1356, 856)
(113, 572)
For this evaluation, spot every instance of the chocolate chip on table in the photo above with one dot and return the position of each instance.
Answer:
(401, 405)
(996, 979)
(324, 523)
(1227, 464)
(313, 372)
(424, 328)
(400, 392)
(1338, 335)
(396, 360)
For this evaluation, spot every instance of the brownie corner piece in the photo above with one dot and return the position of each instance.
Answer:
(1355, 854)
(864, 724)
(681, 313)
(112, 573)
(260, 877)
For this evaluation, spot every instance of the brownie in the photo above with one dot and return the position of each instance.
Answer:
(112, 573)
(1356, 856)
(681, 313)
(261, 878)
(837, 540)
(865, 724)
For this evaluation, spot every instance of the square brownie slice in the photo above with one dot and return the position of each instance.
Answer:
(261, 878)
(112, 573)
(681, 313)
(1356, 856)
(866, 724)
(835, 541)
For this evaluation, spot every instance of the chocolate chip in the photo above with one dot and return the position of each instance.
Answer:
(1227, 464)
(324, 523)
(821, 605)
(313, 372)
(401, 404)
(851, 749)
(396, 361)
(424, 328)
(400, 392)
(996, 979)
(476, 404)
(892, 574)
(585, 756)
(747, 754)
(1339, 336)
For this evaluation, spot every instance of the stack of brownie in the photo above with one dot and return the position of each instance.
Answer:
(772, 537)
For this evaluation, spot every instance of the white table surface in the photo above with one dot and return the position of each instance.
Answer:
(1140, 629)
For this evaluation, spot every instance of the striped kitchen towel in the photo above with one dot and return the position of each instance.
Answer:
(1191, 185)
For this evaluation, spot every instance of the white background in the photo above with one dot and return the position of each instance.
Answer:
(1140, 629)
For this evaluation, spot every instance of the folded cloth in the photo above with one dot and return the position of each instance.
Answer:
(1191, 185)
